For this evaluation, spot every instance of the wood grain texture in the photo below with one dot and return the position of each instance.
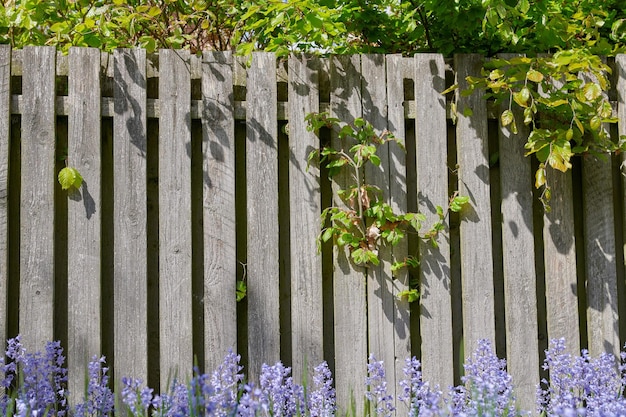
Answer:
(220, 262)
(600, 266)
(518, 257)
(262, 218)
(380, 297)
(397, 66)
(307, 322)
(349, 282)
(84, 215)
(175, 312)
(475, 229)
(130, 212)
(432, 191)
(5, 135)
(38, 178)
(620, 71)
(560, 263)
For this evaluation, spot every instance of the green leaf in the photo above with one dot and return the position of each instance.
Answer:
(70, 178)
(241, 290)
(409, 295)
(534, 76)
(506, 118)
(592, 91)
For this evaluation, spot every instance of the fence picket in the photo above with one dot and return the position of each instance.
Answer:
(37, 198)
(475, 229)
(5, 135)
(600, 267)
(397, 66)
(130, 214)
(175, 312)
(262, 206)
(220, 262)
(84, 215)
(349, 282)
(307, 338)
(432, 191)
(518, 249)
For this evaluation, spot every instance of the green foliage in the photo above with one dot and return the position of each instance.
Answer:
(106, 24)
(70, 178)
(366, 221)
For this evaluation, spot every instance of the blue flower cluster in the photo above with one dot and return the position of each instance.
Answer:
(33, 385)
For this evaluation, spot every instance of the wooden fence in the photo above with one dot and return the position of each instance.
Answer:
(194, 177)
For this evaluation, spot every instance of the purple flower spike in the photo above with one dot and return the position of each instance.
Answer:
(284, 396)
(416, 393)
(377, 388)
(225, 382)
(99, 399)
(488, 387)
(322, 398)
(252, 402)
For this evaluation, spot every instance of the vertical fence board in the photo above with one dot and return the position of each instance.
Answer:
(37, 198)
(175, 313)
(130, 212)
(349, 290)
(600, 267)
(432, 191)
(220, 263)
(304, 207)
(401, 315)
(380, 297)
(5, 132)
(620, 64)
(262, 206)
(475, 229)
(84, 266)
(518, 252)
(560, 263)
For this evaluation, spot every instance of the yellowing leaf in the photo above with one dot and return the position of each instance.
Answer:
(506, 118)
(540, 176)
(592, 91)
(534, 76)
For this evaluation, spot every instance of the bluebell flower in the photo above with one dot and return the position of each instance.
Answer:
(377, 387)
(488, 387)
(225, 382)
(417, 394)
(99, 398)
(42, 390)
(137, 398)
(579, 383)
(253, 402)
(322, 400)
(284, 396)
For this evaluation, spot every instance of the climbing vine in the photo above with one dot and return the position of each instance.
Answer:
(365, 221)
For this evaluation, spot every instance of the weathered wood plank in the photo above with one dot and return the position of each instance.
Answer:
(37, 198)
(401, 318)
(262, 218)
(5, 135)
(380, 297)
(432, 191)
(475, 229)
(130, 211)
(84, 216)
(620, 71)
(560, 263)
(220, 262)
(349, 282)
(307, 338)
(518, 249)
(600, 267)
(175, 296)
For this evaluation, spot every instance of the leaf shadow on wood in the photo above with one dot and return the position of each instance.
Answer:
(86, 197)
(216, 137)
(123, 102)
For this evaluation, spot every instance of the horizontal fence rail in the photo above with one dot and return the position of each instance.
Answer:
(195, 177)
